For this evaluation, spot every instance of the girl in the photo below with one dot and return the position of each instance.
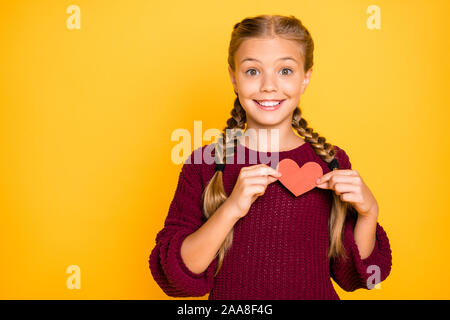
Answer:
(234, 230)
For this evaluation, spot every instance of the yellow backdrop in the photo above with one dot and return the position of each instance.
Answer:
(89, 100)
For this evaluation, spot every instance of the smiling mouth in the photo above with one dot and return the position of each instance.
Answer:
(269, 107)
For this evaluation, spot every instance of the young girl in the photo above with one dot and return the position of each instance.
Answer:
(233, 229)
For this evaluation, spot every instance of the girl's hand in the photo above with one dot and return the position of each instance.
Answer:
(251, 183)
(351, 188)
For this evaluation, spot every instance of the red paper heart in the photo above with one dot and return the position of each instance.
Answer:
(299, 180)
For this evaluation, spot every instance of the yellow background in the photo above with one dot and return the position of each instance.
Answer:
(87, 116)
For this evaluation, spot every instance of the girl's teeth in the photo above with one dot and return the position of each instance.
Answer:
(269, 104)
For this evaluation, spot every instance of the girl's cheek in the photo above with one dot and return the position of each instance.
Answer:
(249, 89)
(293, 86)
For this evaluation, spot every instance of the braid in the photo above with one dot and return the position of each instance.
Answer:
(214, 194)
(321, 147)
(339, 208)
(236, 124)
(238, 116)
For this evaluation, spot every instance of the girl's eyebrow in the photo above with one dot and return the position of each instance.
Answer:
(253, 59)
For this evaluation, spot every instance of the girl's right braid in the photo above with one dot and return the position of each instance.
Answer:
(235, 124)
(215, 192)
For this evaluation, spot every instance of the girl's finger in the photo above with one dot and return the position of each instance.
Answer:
(263, 170)
(272, 179)
(328, 175)
(323, 185)
(349, 197)
(261, 180)
(340, 188)
(256, 189)
(252, 167)
(342, 179)
(329, 184)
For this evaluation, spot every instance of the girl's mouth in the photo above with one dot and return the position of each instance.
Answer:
(270, 107)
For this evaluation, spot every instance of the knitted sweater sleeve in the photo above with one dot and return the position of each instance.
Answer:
(184, 217)
(354, 273)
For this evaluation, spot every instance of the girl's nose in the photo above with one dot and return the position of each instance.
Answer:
(268, 84)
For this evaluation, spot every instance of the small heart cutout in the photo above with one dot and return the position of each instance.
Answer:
(299, 180)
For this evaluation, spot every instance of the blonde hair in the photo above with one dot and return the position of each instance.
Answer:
(288, 27)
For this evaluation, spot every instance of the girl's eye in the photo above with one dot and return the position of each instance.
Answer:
(287, 69)
(250, 70)
(247, 72)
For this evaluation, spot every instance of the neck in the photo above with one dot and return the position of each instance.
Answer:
(271, 138)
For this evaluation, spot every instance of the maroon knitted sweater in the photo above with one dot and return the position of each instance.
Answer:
(279, 248)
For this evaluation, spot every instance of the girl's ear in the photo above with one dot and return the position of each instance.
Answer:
(306, 80)
(233, 79)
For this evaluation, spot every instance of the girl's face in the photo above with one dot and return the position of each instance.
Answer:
(269, 69)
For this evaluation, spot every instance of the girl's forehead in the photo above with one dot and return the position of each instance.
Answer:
(268, 51)
(273, 48)
(270, 42)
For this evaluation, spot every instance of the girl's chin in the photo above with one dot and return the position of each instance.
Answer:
(265, 119)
